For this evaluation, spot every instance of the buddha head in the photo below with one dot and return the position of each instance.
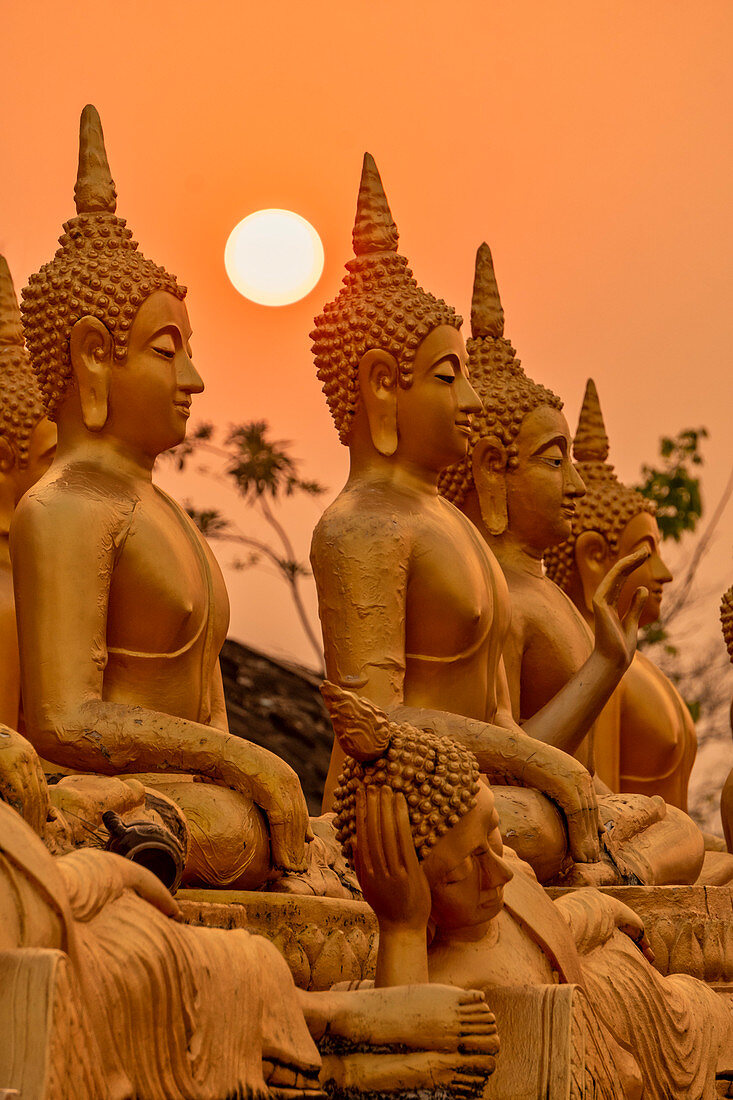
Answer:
(453, 820)
(107, 329)
(612, 520)
(390, 355)
(517, 474)
(27, 438)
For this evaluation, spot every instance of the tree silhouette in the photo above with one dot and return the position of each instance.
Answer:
(263, 473)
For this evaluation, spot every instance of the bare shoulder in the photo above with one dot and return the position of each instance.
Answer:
(363, 517)
(73, 502)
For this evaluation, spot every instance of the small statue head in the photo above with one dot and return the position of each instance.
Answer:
(611, 521)
(102, 321)
(389, 354)
(517, 471)
(27, 438)
(453, 820)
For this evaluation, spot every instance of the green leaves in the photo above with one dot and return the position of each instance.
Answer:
(673, 485)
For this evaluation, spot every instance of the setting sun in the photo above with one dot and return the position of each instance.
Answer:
(274, 257)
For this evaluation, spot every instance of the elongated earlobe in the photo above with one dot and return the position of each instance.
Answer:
(378, 384)
(592, 560)
(489, 476)
(91, 351)
(7, 456)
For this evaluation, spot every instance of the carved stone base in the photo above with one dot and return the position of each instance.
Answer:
(690, 928)
(323, 940)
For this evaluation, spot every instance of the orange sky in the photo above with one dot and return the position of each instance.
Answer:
(589, 143)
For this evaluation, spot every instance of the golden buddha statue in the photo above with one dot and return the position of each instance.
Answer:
(521, 490)
(413, 605)
(645, 738)
(122, 608)
(27, 444)
(107, 995)
(453, 905)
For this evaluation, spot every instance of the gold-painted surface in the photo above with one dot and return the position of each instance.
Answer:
(122, 608)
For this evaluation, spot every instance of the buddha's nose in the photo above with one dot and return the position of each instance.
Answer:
(189, 379)
(468, 400)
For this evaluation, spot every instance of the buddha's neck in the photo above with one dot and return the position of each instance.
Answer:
(511, 553)
(470, 933)
(514, 556)
(402, 474)
(76, 444)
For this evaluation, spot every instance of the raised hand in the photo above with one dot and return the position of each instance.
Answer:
(616, 636)
(386, 862)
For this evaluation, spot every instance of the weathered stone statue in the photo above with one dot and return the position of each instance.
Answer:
(519, 487)
(423, 831)
(645, 740)
(27, 443)
(122, 608)
(413, 605)
(106, 995)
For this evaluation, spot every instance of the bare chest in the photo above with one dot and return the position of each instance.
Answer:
(165, 582)
(550, 637)
(451, 596)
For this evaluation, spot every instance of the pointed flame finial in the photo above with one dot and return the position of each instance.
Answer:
(362, 729)
(487, 316)
(95, 189)
(11, 331)
(591, 442)
(374, 227)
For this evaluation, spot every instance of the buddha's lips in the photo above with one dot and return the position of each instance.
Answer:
(464, 426)
(183, 407)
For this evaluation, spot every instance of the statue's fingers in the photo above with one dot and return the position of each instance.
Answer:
(390, 844)
(364, 855)
(630, 620)
(287, 846)
(406, 844)
(375, 833)
(611, 585)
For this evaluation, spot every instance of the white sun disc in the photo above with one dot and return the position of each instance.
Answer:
(274, 257)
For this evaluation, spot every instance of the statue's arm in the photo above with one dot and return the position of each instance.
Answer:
(63, 555)
(507, 755)
(569, 715)
(219, 718)
(361, 567)
(9, 665)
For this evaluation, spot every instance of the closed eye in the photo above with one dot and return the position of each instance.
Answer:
(165, 352)
(449, 378)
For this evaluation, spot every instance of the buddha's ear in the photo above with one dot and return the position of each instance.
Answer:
(592, 560)
(7, 455)
(488, 462)
(378, 385)
(91, 349)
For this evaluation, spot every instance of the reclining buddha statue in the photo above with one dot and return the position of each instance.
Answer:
(121, 606)
(414, 607)
(453, 905)
(520, 488)
(107, 995)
